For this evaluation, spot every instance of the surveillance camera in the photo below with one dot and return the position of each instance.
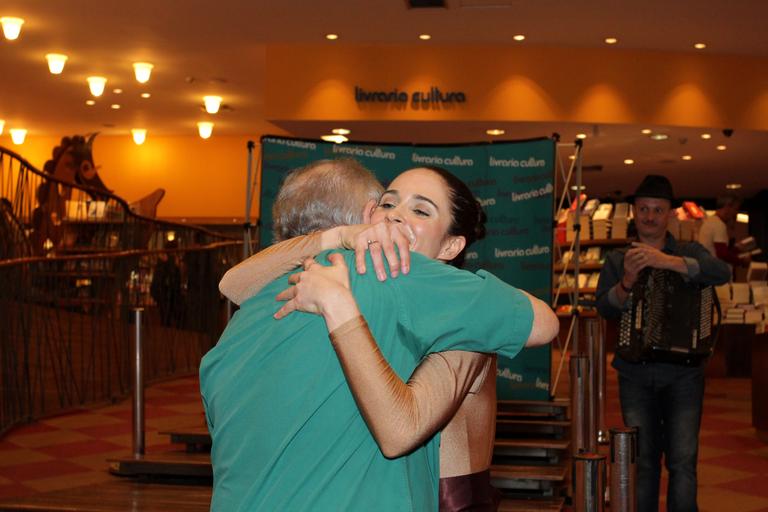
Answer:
(727, 132)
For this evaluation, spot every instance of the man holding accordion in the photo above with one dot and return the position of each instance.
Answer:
(661, 290)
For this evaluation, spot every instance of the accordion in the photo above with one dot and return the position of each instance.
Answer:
(668, 320)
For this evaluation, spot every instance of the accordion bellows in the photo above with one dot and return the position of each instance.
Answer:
(667, 320)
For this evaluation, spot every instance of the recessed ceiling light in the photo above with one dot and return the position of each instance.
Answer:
(90, 103)
(659, 136)
(646, 131)
(687, 157)
(338, 139)
(341, 131)
(519, 37)
(700, 46)
(145, 95)
(331, 37)
(733, 186)
(11, 27)
(139, 135)
(581, 135)
(629, 161)
(495, 131)
(117, 91)
(722, 147)
(575, 188)
(611, 40)
(425, 37)
(114, 106)
(56, 62)
(706, 136)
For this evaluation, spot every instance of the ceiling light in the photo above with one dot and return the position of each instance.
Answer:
(699, 46)
(733, 186)
(581, 135)
(611, 40)
(575, 188)
(743, 218)
(96, 84)
(18, 135)
(706, 136)
(646, 131)
(331, 37)
(11, 27)
(56, 62)
(212, 103)
(114, 106)
(145, 95)
(495, 131)
(205, 129)
(341, 131)
(571, 157)
(722, 147)
(2, 125)
(425, 37)
(687, 157)
(519, 37)
(659, 136)
(139, 135)
(90, 103)
(142, 70)
(629, 161)
(338, 139)
(117, 91)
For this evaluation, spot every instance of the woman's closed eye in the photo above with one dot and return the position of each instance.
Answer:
(387, 205)
(421, 213)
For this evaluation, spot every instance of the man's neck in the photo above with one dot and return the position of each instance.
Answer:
(655, 242)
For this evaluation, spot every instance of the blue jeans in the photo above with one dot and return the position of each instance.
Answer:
(664, 402)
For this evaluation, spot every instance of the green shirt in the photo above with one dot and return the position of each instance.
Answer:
(287, 434)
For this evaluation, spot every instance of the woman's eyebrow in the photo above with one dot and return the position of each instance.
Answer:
(424, 198)
(391, 191)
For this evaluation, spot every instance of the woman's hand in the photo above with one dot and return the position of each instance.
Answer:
(321, 290)
(378, 238)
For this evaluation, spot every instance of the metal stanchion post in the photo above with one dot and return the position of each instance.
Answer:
(602, 429)
(579, 367)
(589, 482)
(623, 495)
(593, 340)
(138, 385)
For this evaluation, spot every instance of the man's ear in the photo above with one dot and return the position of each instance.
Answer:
(451, 248)
(370, 206)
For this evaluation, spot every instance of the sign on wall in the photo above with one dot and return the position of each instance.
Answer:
(514, 181)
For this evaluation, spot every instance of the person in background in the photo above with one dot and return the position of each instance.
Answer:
(662, 399)
(715, 231)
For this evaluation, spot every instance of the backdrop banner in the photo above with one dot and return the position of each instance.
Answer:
(514, 182)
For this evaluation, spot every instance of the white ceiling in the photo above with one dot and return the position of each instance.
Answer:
(200, 47)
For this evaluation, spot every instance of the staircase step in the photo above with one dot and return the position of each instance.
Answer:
(532, 505)
(558, 407)
(196, 438)
(116, 496)
(529, 478)
(541, 448)
(533, 427)
(164, 464)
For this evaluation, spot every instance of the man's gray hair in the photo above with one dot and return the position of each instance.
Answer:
(322, 195)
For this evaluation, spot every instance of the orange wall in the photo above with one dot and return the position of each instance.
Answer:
(521, 84)
(201, 178)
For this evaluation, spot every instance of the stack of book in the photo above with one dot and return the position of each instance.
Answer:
(601, 221)
(621, 215)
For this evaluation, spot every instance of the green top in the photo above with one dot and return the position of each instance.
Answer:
(287, 434)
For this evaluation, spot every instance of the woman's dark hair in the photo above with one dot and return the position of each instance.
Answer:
(467, 216)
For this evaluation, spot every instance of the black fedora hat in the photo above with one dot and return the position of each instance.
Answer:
(655, 186)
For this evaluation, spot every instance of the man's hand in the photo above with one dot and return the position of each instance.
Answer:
(378, 238)
(634, 262)
(652, 257)
(320, 290)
